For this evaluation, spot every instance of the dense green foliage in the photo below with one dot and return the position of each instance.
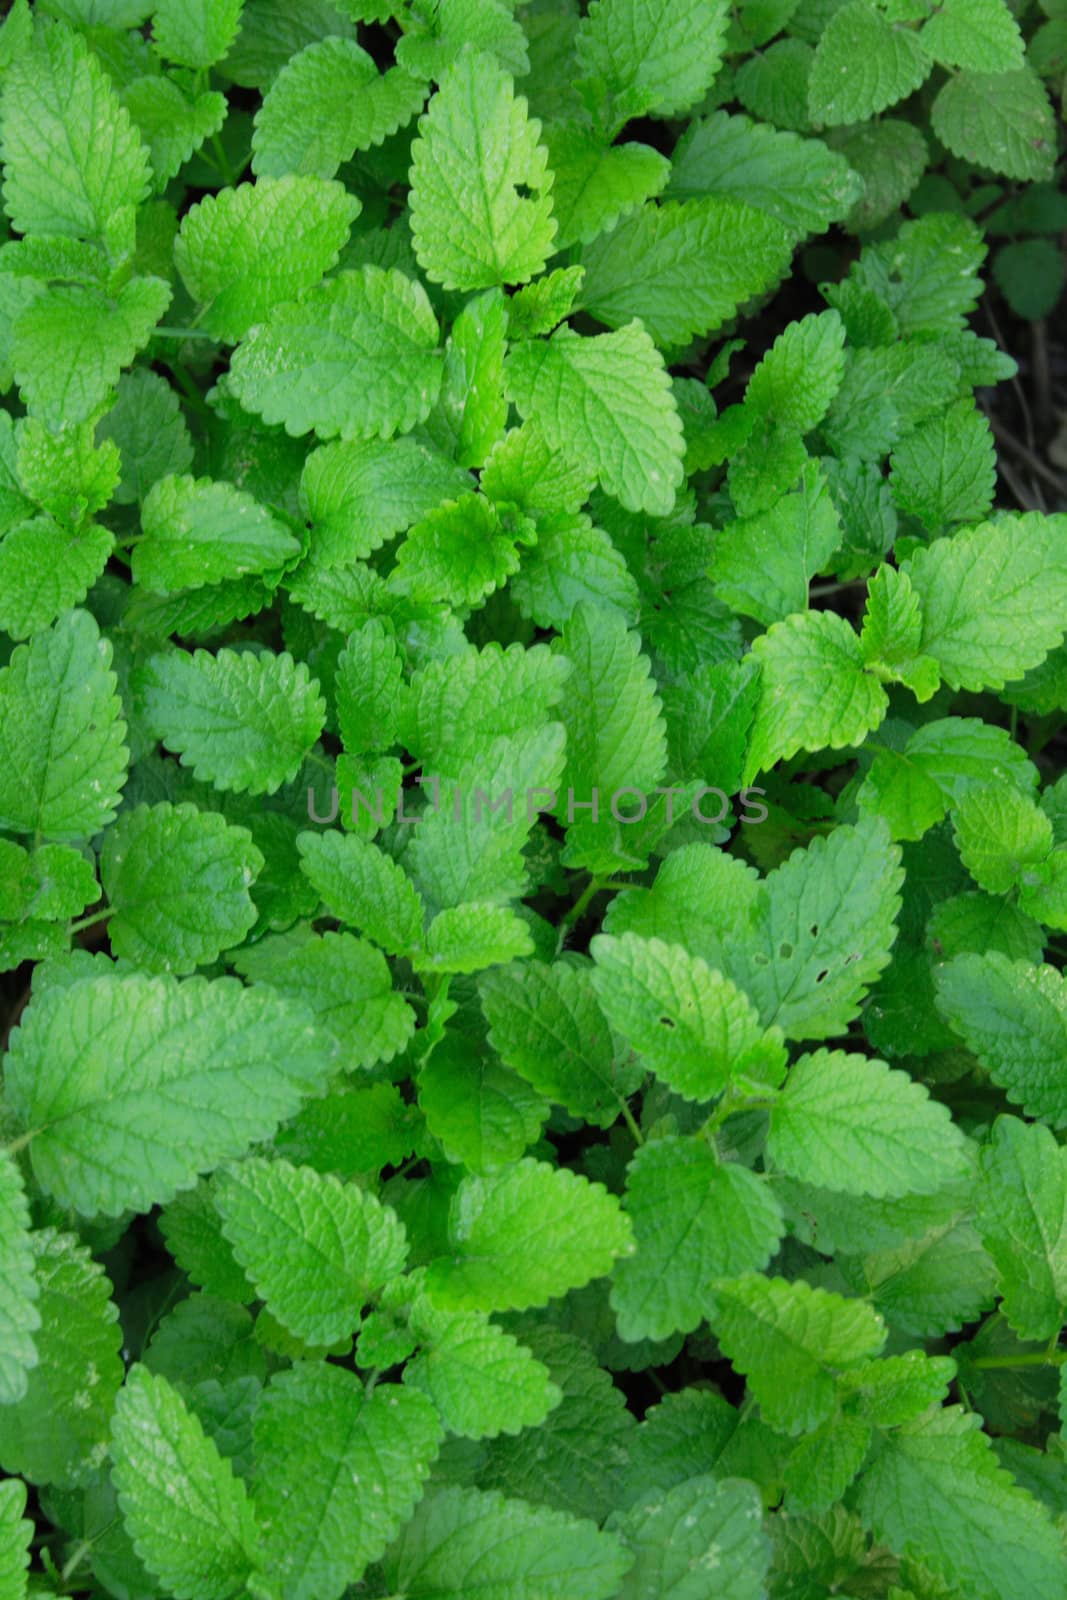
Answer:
(533, 859)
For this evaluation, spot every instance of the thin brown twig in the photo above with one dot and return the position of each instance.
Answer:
(1003, 434)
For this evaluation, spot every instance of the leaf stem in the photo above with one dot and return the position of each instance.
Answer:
(90, 921)
(631, 1122)
(166, 332)
(1037, 1358)
(13, 1147)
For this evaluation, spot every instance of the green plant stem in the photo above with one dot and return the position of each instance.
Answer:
(631, 1122)
(13, 1147)
(165, 332)
(222, 160)
(90, 921)
(1038, 1358)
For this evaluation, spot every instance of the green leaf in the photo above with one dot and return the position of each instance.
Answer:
(147, 425)
(197, 532)
(945, 471)
(481, 1379)
(172, 126)
(653, 57)
(891, 638)
(473, 412)
(16, 1532)
(862, 65)
(187, 1513)
(571, 562)
(358, 495)
(459, 553)
(524, 1235)
(815, 692)
(243, 250)
(315, 1249)
(700, 1533)
(847, 1123)
(338, 1472)
(45, 569)
(694, 1219)
(935, 1493)
(605, 404)
(468, 846)
(761, 565)
(57, 1431)
(357, 356)
(616, 740)
(364, 888)
(452, 24)
(19, 1318)
(1021, 1213)
(789, 1339)
(1013, 1017)
(999, 120)
(177, 880)
(195, 33)
(690, 1025)
(461, 703)
(545, 1023)
(346, 986)
(71, 154)
(61, 735)
(801, 372)
(71, 344)
(798, 181)
(999, 833)
(460, 1539)
(981, 35)
(596, 183)
(482, 1115)
(240, 720)
(913, 787)
(355, 107)
(132, 1085)
(683, 267)
(817, 933)
(1019, 559)
(476, 148)
(470, 937)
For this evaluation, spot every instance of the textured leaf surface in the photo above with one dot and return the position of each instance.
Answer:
(61, 734)
(133, 1085)
(356, 357)
(72, 156)
(787, 1338)
(507, 1549)
(994, 599)
(197, 532)
(338, 1471)
(843, 1122)
(476, 147)
(654, 57)
(19, 1318)
(242, 721)
(482, 1380)
(313, 1247)
(246, 249)
(187, 1513)
(178, 881)
(936, 1492)
(57, 1431)
(525, 1235)
(683, 268)
(605, 402)
(695, 1219)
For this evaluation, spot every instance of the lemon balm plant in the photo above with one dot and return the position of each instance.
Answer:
(446, 445)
